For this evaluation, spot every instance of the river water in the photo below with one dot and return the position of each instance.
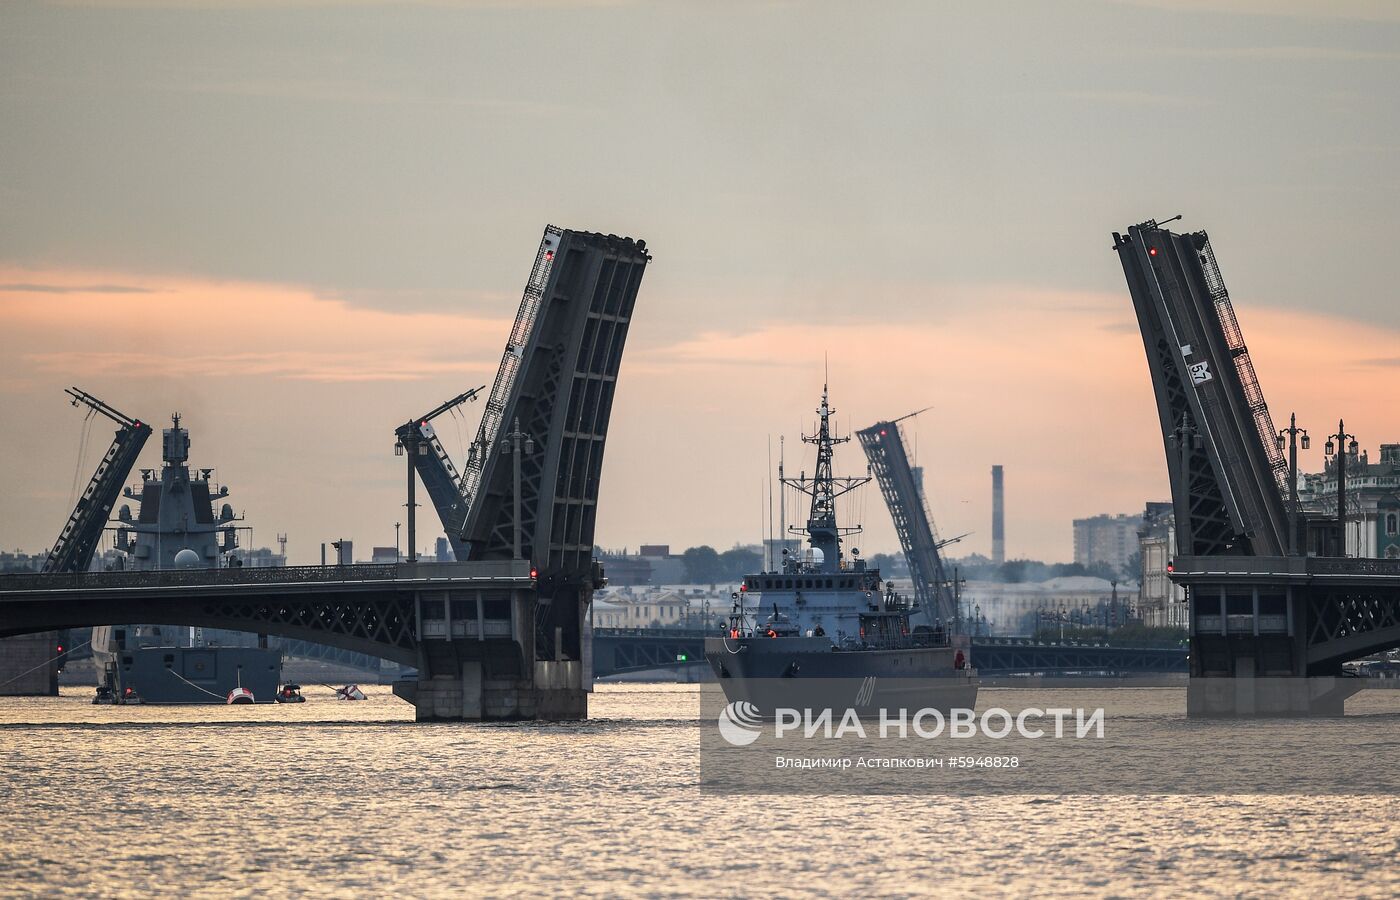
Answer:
(352, 799)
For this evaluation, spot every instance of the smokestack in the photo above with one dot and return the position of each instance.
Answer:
(998, 518)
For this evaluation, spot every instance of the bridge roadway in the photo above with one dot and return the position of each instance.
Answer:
(620, 650)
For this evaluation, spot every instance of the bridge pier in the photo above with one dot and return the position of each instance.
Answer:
(1269, 634)
(484, 655)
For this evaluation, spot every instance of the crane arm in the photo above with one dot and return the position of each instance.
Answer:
(81, 396)
(73, 550)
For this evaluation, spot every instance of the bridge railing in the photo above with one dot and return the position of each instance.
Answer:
(197, 577)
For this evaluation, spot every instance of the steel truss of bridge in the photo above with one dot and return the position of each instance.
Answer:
(475, 616)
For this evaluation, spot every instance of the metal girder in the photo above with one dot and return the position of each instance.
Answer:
(561, 390)
(1348, 622)
(1217, 433)
(369, 609)
(72, 551)
(884, 448)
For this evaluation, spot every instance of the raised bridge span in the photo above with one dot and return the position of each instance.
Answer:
(490, 639)
(1276, 605)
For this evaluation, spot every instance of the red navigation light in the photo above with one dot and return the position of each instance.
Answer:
(548, 255)
(1151, 251)
(60, 648)
(883, 432)
(1171, 567)
(534, 573)
(744, 586)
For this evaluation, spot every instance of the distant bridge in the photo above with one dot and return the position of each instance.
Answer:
(618, 651)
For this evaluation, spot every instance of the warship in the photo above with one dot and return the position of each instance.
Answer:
(825, 630)
(176, 527)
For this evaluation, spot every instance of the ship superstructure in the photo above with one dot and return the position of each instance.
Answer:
(176, 525)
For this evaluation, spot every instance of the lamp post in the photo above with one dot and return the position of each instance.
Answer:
(516, 436)
(958, 582)
(1292, 432)
(397, 554)
(1341, 449)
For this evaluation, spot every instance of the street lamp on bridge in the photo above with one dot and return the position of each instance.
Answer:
(1292, 432)
(1341, 449)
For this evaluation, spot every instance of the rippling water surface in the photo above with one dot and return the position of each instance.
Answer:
(339, 798)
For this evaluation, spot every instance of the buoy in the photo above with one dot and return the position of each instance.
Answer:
(240, 695)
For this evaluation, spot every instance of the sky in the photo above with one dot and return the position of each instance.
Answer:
(300, 224)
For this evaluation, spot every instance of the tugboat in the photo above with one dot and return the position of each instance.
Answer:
(838, 635)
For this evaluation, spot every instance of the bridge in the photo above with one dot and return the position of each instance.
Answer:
(618, 651)
(498, 635)
(1276, 607)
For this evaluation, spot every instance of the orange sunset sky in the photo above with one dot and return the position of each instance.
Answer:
(299, 226)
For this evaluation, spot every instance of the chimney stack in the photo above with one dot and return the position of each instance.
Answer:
(998, 518)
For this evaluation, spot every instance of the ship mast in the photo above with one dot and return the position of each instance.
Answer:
(823, 488)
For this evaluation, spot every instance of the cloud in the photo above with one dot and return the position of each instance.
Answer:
(1284, 54)
(1364, 10)
(34, 288)
(1139, 98)
(185, 328)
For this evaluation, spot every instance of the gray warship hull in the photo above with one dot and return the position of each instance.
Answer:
(811, 673)
(194, 674)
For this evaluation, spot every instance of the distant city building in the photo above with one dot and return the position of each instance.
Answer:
(625, 570)
(259, 558)
(1161, 603)
(1106, 539)
(666, 567)
(442, 550)
(1373, 501)
(20, 561)
(384, 555)
(670, 606)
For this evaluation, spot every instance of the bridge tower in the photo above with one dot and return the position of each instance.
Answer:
(532, 474)
(1269, 631)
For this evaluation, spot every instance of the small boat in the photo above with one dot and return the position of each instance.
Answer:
(290, 693)
(349, 692)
